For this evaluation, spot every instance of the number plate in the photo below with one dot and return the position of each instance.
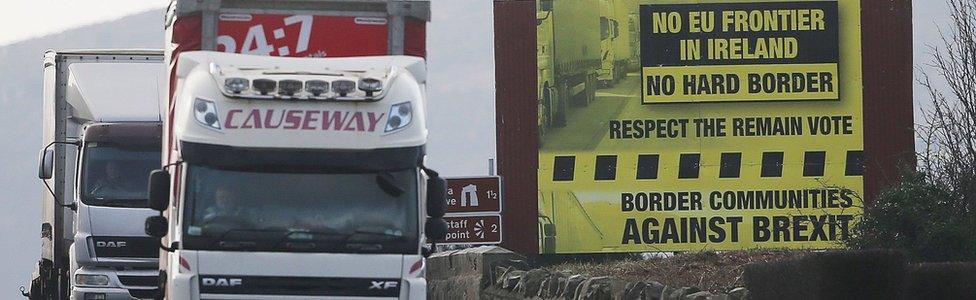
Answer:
(301, 35)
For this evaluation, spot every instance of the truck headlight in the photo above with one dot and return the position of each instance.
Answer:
(400, 116)
(91, 280)
(206, 113)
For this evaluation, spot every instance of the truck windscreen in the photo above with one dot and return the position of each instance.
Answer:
(117, 176)
(243, 210)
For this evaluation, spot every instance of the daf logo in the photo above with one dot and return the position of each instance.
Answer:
(230, 282)
(383, 285)
(102, 244)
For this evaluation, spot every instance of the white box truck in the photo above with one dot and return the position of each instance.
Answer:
(102, 131)
(295, 177)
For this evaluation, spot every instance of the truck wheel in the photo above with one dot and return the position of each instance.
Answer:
(64, 284)
(559, 105)
(547, 106)
(590, 91)
(559, 119)
(36, 291)
(161, 286)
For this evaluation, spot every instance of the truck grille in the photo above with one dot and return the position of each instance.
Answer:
(299, 286)
(142, 294)
(147, 281)
(127, 247)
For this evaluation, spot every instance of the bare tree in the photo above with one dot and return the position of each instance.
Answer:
(949, 126)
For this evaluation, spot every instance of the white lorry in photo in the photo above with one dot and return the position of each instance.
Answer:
(295, 177)
(102, 134)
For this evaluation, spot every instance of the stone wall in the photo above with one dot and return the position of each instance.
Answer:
(496, 273)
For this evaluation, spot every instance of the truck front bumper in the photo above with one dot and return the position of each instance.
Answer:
(122, 285)
(91, 293)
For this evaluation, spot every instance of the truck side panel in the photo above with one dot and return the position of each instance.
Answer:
(576, 46)
(621, 45)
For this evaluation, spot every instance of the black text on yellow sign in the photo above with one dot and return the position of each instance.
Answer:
(721, 52)
(750, 137)
(779, 82)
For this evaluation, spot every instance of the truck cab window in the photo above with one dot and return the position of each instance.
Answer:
(116, 176)
(326, 212)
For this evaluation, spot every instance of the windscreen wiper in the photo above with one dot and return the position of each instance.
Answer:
(127, 203)
(386, 235)
(250, 243)
(389, 184)
(306, 240)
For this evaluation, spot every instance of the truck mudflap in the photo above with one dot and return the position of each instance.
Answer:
(44, 283)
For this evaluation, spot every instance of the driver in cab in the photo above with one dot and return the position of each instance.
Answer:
(225, 205)
(112, 182)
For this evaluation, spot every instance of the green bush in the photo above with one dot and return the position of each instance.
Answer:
(942, 280)
(875, 274)
(928, 220)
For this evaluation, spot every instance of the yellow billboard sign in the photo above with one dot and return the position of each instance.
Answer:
(752, 141)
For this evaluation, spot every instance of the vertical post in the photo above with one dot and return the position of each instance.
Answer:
(397, 27)
(491, 167)
(208, 15)
(60, 261)
(516, 119)
(889, 136)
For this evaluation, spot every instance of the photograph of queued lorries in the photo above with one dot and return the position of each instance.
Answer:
(592, 54)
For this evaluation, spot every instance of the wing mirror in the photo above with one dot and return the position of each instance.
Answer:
(436, 196)
(549, 230)
(45, 167)
(435, 229)
(158, 190)
(157, 226)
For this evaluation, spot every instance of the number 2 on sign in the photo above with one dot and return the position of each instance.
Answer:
(256, 40)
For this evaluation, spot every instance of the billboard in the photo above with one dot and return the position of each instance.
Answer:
(706, 125)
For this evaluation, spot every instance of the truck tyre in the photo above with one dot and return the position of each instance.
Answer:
(546, 114)
(559, 105)
(547, 103)
(36, 291)
(590, 90)
(64, 284)
(161, 286)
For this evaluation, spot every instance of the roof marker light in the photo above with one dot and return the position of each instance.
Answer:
(343, 87)
(370, 86)
(317, 87)
(265, 86)
(236, 85)
(289, 87)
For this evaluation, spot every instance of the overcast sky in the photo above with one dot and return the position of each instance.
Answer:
(24, 19)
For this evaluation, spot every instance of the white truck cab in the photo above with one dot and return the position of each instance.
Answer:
(102, 133)
(296, 178)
